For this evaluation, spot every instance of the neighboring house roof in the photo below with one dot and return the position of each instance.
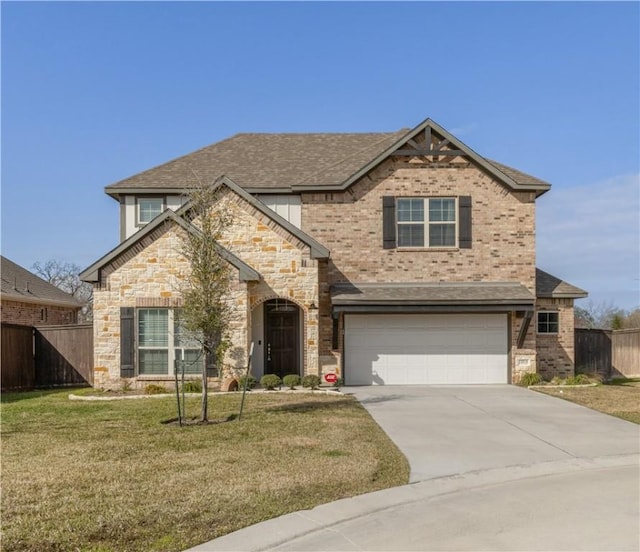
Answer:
(286, 163)
(92, 273)
(18, 284)
(372, 296)
(550, 286)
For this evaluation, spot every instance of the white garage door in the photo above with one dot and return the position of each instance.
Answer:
(401, 349)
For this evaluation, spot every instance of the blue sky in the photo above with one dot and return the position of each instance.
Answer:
(96, 92)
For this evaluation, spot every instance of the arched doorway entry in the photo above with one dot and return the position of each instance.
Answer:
(281, 337)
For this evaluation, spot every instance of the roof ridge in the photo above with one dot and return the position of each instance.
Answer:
(387, 133)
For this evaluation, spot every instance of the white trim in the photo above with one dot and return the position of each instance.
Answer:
(163, 206)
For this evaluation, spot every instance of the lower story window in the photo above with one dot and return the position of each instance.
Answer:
(547, 322)
(164, 346)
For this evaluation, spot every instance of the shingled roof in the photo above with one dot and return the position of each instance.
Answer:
(550, 286)
(18, 284)
(436, 293)
(272, 161)
(285, 163)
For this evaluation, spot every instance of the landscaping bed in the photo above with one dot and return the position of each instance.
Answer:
(108, 475)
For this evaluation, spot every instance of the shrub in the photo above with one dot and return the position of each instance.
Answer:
(251, 382)
(530, 378)
(338, 383)
(595, 378)
(580, 379)
(291, 380)
(194, 386)
(311, 380)
(270, 381)
(153, 389)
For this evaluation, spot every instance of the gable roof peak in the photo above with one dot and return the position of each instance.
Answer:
(317, 250)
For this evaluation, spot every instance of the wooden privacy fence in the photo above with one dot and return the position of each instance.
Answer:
(608, 353)
(625, 345)
(18, 363)
(48, 356)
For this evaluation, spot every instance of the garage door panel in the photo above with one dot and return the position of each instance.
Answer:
(425, 349)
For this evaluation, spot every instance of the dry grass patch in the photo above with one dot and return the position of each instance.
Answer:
(622, 401)
(109, 476)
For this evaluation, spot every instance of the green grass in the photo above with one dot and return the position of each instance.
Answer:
(620, 398)
(100, 476)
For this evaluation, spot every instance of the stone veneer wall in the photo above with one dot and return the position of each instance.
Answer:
(32, 314)
(350, 225)
(150, 275)
(556, 352)
(285, 265)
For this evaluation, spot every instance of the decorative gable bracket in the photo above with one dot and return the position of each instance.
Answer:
(428, 147)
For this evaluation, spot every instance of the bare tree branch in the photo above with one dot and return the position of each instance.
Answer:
(66, 276)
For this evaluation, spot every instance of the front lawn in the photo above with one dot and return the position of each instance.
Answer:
(621, 398)
(109, 476)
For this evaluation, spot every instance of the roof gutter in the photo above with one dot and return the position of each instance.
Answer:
(40, 301)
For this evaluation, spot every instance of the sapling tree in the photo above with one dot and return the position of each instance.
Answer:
(206, 289)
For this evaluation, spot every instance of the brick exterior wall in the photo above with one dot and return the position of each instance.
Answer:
(32, 314)
(556, 352)
(350, 225)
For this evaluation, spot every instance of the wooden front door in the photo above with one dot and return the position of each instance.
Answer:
(282, 336)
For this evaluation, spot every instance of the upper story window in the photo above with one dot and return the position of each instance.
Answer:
(137, 211)
(148, 208)
(427, 222)
(548, 322)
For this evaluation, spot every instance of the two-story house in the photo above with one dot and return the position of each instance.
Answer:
(388, 258)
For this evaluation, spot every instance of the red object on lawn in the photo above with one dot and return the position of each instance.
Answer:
(330, 378)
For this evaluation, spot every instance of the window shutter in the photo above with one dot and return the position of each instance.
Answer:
(464, 213)
(127, 345)
(388, 222)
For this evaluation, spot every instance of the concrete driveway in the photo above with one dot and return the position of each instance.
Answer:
(459, 429)
(492, 468)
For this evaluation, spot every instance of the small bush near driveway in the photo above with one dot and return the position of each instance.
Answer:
(109, 476)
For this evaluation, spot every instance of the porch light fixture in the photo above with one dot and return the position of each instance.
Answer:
(312, 306)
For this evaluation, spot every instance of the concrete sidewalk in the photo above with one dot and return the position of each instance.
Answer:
(494, 468)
